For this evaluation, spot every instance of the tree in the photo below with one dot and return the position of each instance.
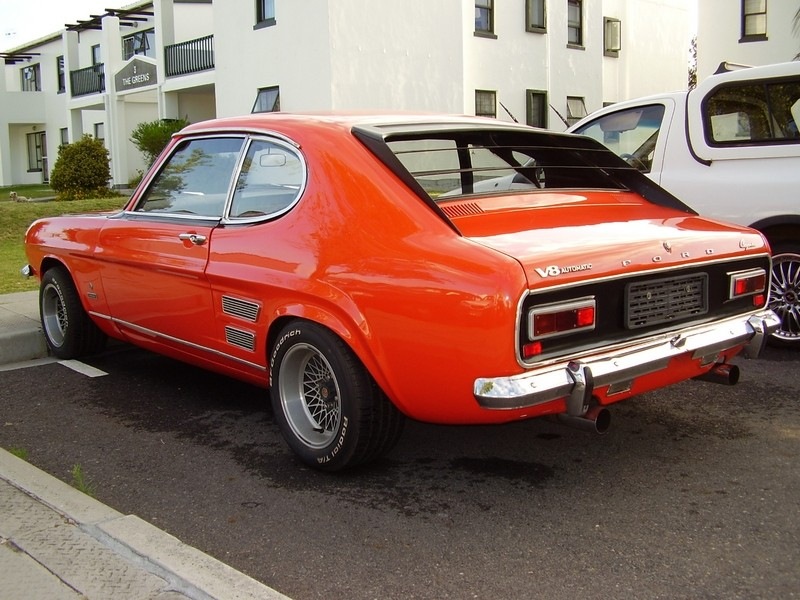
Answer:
(693, 63)
(153, 136)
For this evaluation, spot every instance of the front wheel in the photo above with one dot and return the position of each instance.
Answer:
(329, 409)
(68, 330)
(785, 295)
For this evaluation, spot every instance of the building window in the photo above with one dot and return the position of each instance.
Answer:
(64, 136)
(31, 79)
(265, 13)
(36, 151)
(536, 108)
(141, 43)
(268, 100)
(754, 20)
(575, 22)
(62, 78)
(612, 37)
(576, 109)
(100, 131)
(485, 103)
(535, 16)
(96, 55)
(484, 17)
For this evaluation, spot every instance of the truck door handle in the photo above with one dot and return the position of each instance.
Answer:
(195, 238)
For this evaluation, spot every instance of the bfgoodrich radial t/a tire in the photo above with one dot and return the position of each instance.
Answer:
(328, 407)
(69, 331)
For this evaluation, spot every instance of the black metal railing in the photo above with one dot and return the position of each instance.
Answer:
(189, 57)
(90, 80)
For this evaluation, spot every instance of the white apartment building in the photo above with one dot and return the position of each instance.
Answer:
(746, 32)
(537, 61)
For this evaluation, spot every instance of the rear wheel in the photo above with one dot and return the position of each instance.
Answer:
(69, 331)
(329, 409)
(785, 294)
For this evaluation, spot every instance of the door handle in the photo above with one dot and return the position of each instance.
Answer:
(195, 238)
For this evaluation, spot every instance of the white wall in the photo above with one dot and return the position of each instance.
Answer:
(719, 30)
(407, 57)
(656, 35)
(294, 54)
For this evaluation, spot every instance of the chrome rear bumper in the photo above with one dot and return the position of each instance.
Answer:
(575, 379)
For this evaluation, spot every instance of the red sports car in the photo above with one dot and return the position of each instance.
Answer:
(372, 268)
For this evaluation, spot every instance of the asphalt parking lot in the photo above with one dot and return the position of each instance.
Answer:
(693, 493)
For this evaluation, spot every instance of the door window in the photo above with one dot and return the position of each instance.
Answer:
(195, 180)
(631, 134)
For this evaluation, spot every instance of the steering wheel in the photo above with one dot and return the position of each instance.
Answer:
(634, 161)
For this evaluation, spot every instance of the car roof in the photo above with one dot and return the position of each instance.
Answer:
(372, 121)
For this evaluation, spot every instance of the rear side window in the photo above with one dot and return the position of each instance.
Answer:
(753, 114)
(271, 180)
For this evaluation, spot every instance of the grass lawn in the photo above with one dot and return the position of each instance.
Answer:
(15, 217)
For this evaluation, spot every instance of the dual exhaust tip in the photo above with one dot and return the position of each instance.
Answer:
(598, 418)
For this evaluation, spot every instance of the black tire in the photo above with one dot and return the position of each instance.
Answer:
(785, 294)
(329, 409)
(68, 330)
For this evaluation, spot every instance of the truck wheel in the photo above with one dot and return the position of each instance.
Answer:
(68, 330)
(329, 409)
(785, 294)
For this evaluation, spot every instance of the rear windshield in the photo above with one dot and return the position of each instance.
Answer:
(441, 161)
(483, 163)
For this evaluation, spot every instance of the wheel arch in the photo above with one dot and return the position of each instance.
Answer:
(779, 229)
(348, 331)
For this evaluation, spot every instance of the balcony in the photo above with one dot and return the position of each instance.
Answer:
(189, 57)
(91, 80)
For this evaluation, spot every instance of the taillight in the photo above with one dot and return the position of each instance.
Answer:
(747, 283)
(561, 319)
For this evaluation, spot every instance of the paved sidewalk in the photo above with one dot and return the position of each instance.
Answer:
(58, 543)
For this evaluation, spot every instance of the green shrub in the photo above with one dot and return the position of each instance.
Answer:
(82, 170)
(153, 136)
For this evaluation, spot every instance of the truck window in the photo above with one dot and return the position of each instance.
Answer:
(753, 114)
(631, 134)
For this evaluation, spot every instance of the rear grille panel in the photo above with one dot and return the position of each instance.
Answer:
(667, 300)
(678, 298)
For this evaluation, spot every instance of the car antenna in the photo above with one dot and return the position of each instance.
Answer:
(513, 118)
(560, 116)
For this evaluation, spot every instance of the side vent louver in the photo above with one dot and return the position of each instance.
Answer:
(242, 309)
(239, 338)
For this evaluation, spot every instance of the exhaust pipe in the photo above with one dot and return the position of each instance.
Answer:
(721, 373)
(596, 420)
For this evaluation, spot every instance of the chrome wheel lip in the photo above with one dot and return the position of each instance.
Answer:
(310, 396)
(54, 315)
(785, 295)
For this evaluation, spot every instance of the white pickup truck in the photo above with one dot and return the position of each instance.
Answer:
(730, 149)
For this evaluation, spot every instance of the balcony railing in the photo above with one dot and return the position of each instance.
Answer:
(90, 80)
(190, 57)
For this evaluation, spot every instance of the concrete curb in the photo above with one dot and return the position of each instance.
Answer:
(21, 336)
(188, 570)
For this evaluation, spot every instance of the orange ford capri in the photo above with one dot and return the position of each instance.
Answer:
(376, 268)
